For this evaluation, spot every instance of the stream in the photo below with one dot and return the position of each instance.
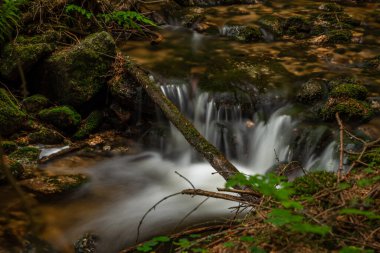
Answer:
(255, 121)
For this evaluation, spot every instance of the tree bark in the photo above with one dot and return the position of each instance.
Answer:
(191, 134)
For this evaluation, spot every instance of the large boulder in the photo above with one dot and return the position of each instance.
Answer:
(11, 117)
(242, 33)
(62, 117)
(76, 74)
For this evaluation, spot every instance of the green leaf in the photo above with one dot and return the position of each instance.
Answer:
(280, 217)
(352, 211)
(183, 243)
(161, 239)
(309, 228)
(353, 249)
(257, 250)
(247, 239)
(228, 244)
(292, 204)
(195, 236)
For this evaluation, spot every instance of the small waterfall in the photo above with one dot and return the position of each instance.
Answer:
(255, 143)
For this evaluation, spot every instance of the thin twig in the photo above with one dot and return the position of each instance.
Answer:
(176, 172)
(341, 147)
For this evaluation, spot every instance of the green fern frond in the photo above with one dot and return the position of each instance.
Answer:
(10, 17)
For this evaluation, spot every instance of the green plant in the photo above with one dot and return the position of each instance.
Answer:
(148, 246)
(10, 17)
(73, 8)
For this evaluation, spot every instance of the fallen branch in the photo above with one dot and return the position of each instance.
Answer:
(199, 192)
(341, 147)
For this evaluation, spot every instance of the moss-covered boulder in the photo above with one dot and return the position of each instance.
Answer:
(89, 125)
(242, 33)
(206, 3)
(29, 154)
(45, 136)
(47, 186)
(273, 24)
(64, 118)
(331, 7)
(311, 91)
(314, 182)
(11, 117)
(348, 108)
(349, 90)
(26, 55)
(35, 103)
(76, 74)
(338, 36)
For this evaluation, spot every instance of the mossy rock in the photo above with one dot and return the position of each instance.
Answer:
(47, 186)
(35, 103)
(8, 146)
(45, 136)
(311, 91)
(314, 182)
(297, 25)
(273, 24)
(27, 55)
(242, 33)
(348, 108)
(75, 75)
(189, 20)
(89, 125)
(331, 7)
(12, 118)
(64, 118)
(339, 36)
(16, 168)
(349, 90)
(206, 3)
(29, 153)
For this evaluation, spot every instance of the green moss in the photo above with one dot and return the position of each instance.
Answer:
(243, 33)
(35, 103)
(311, 91)
(372, 157)
(26, 154)
(349, 90)
(25, 54)
(314, 182)
(272, 23)
(11, 117)
(339, 36)
(76, 74)
(8, 146)
(45, 136)
(62, 117)
(348, 108)
(191, 19)
(90, 125)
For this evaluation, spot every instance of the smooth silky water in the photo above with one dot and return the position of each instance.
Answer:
(255, 132)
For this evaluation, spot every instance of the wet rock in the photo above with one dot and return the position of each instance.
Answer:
(64, 118)
(28, 154)
(297, 26)
(76, 74)
(349, 90)
(12, 118)
(372, 64)
(242, 33)
(8, 146)
(192, 19)
(348, 108)
(207, 27)
(45, 136)
(26, 55)
(213, 2)
(35, 103)
(89, 125)
(45, 186)
(273, 24)
(338, 36)
(311, 91)
(331, 7)
(87, 244)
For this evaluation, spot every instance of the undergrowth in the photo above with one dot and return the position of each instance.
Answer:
(10, 17)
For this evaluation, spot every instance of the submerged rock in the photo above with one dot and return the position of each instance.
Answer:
(297, 26)
(62, 117)
(76, 74)
(273, 24)
(242, 33)
(45, 186)
(12, 118)
(35, 103)
(311, 91)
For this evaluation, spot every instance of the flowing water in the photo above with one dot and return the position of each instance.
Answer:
(253, 119)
